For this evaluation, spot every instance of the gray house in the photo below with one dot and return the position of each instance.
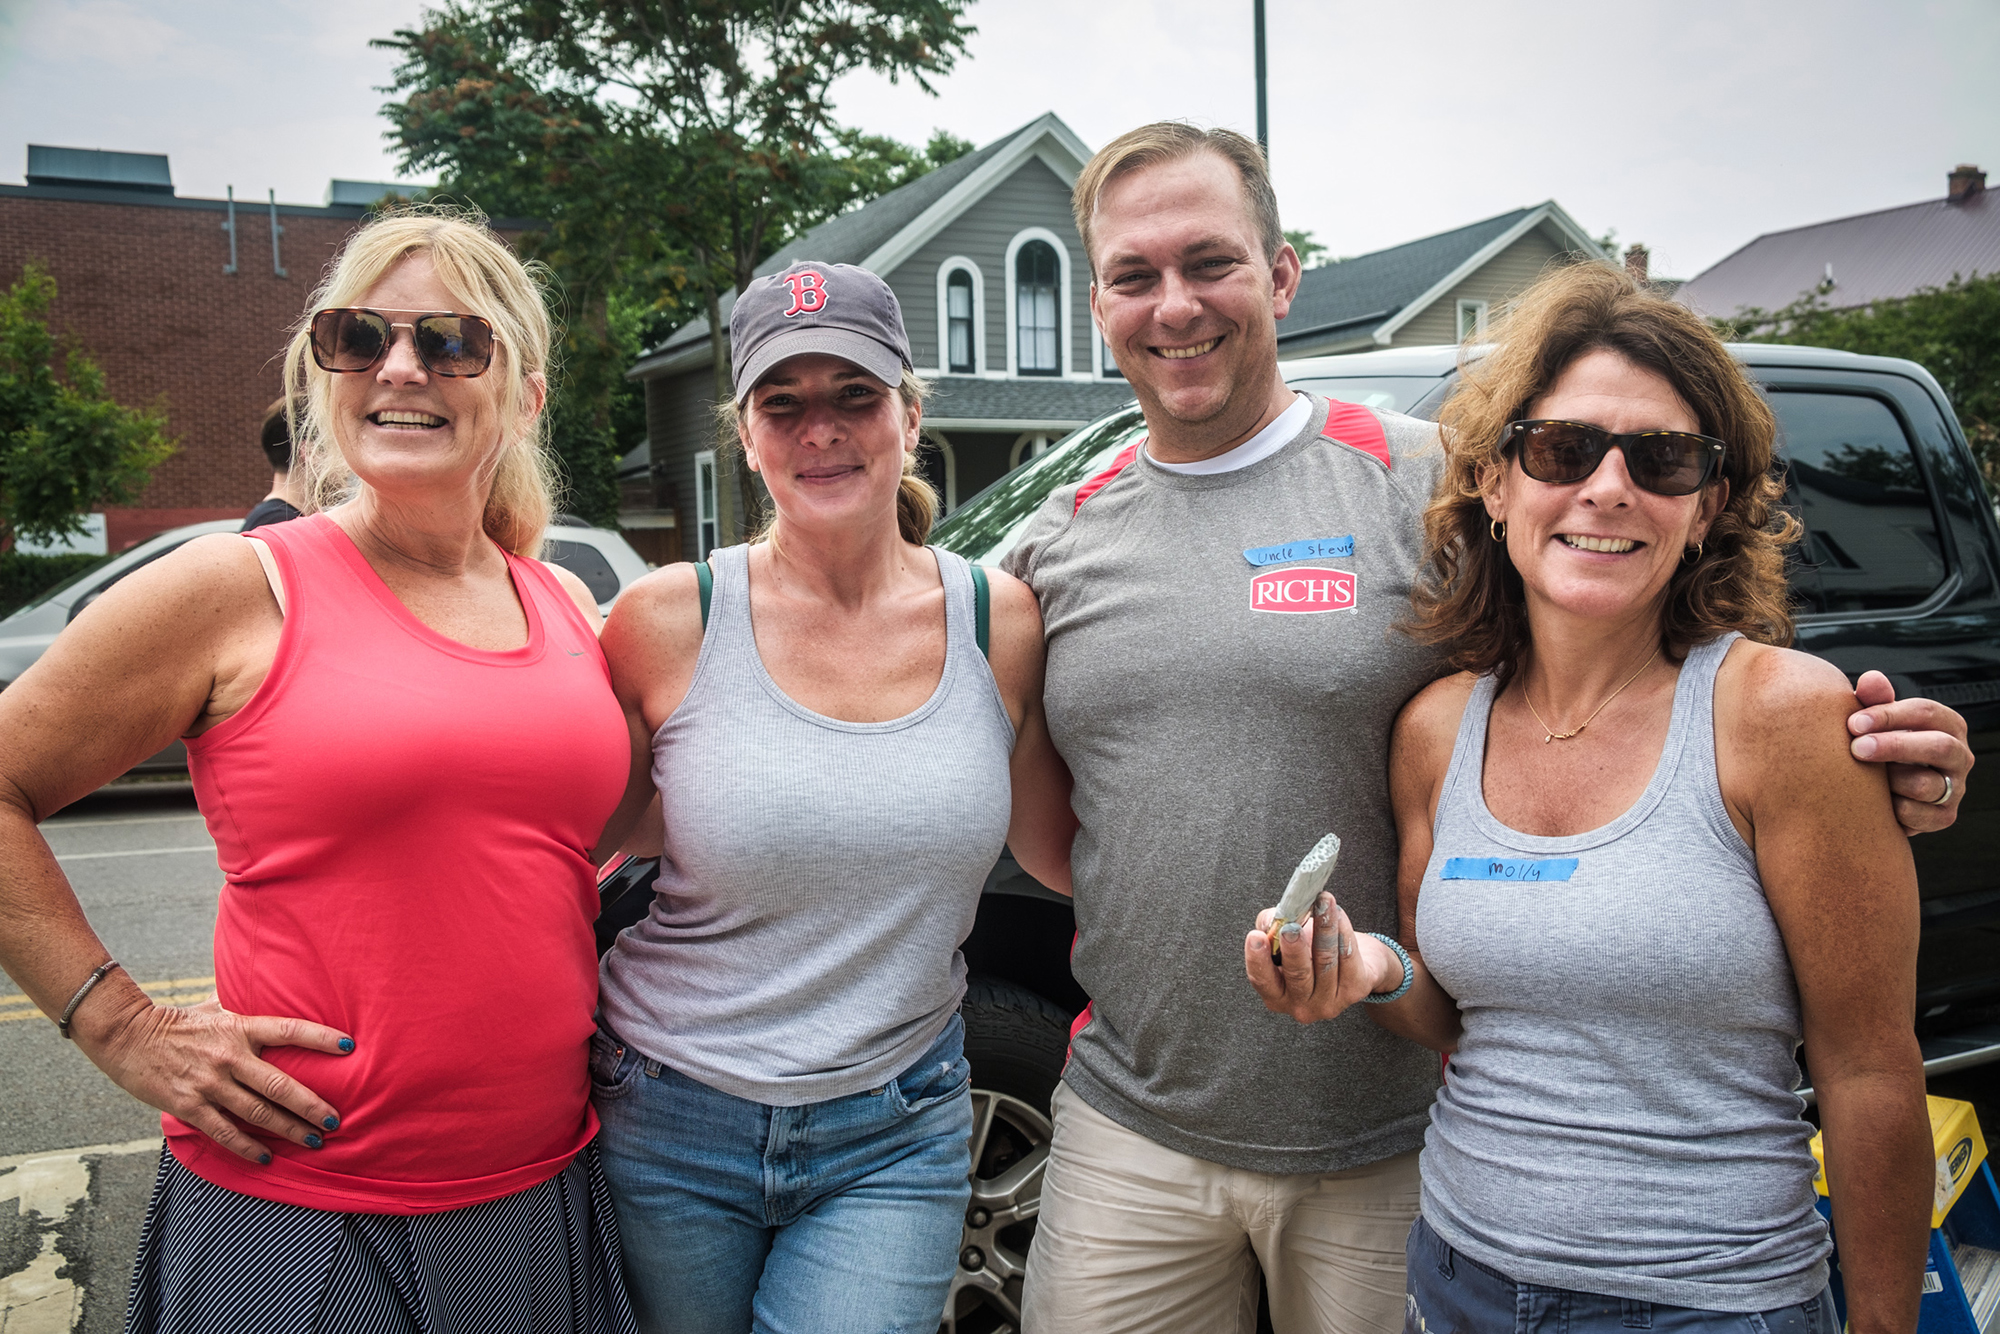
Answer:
(1439, 289)
(985, 259)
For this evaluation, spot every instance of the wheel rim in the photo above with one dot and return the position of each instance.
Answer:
(1010, 1152)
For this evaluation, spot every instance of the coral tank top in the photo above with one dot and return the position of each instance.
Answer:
(402, 823)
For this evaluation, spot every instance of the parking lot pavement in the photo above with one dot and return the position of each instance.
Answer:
(77, 1153)
(66, 1248)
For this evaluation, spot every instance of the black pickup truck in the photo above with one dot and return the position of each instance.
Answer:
(1900, 572)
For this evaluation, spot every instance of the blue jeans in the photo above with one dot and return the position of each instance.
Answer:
(1450, 1293)
(838, 1217)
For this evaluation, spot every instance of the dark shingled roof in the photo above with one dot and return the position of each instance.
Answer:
(1873, 257)
(852, 237)
(1356, 296)
(1049, 400)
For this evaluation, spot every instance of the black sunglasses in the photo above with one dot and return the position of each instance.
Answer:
(1667, 463)
(354, 340)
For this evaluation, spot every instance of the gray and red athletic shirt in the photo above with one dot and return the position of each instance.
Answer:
(1223, 674)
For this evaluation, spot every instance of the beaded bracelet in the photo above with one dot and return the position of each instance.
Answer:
(62, 1024)
(1409, 974)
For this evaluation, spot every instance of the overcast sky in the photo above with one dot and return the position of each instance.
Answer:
(1690, 125)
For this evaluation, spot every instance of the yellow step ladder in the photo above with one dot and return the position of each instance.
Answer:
(1962, 1274)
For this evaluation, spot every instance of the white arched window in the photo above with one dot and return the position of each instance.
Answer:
(1037, 304)
(961, 322)
(939, 466)
(1107, 365)
(1028, 444)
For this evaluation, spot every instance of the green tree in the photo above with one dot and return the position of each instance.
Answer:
(1311, 253)
(64, 444)
(1952, 331)
(668, 147)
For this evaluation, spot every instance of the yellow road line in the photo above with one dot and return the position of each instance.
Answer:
(173, 991)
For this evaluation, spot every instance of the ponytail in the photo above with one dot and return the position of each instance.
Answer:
(916, 498)
(916, 506)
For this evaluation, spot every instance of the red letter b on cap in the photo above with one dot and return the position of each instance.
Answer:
(808, 293)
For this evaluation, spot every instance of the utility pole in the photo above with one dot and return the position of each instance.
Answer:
(1263, 116)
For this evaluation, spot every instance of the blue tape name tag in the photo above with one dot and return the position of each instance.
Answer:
(1507, 868)
(1306, 548)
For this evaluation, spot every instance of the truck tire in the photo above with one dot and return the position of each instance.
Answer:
(1016, 1043)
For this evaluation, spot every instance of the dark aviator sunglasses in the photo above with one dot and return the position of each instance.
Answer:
(350, 340)
(1667, 463)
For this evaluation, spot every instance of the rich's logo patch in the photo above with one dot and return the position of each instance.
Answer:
(1307, 588)
(808, 293)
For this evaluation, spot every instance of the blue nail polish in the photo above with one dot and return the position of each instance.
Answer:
(346, 1045)
(264, 1159)
(313, 1141)
(331, 1123)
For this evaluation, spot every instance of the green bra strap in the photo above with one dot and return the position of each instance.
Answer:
(982, 611)
(705, 579)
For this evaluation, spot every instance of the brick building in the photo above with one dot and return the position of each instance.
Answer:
(145, 283)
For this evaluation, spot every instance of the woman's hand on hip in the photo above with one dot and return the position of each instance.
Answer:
(204, 1065)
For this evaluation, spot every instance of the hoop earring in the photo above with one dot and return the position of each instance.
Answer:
(1498, 530)
(1697, 548)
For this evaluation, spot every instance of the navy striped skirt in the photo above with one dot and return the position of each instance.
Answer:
(542, 1261)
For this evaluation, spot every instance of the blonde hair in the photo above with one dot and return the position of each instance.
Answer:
(482, 274)
(916, 498)
(1470, 598)
(1170, 141)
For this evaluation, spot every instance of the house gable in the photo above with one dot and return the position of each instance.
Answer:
(1548, 219)
(880, 235)
(1409, 294)
(1031, 198)
(1496, 282)
(1340, 306)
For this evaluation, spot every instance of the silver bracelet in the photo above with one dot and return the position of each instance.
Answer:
(1409, 973)
(62, 1024)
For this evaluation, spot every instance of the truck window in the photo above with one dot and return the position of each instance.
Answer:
(1871, 535)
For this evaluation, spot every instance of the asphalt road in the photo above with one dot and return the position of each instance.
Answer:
(78, 1155)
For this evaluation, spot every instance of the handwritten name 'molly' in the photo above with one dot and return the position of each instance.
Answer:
(1508, 868)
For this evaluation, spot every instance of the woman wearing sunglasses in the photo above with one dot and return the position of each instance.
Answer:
(404, 739)
(1641, 865)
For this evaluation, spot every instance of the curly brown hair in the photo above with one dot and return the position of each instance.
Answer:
(1470, 600)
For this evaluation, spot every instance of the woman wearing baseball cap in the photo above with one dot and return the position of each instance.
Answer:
(778, 1067)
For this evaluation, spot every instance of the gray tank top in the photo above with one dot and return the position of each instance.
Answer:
(1619, 1117)
(819, 875)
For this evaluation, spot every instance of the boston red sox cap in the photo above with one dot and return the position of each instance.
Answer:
(838, 309)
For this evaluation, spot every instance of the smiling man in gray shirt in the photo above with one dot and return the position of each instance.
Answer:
(1222, 679)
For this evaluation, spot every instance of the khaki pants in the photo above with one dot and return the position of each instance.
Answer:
(1136, 1237)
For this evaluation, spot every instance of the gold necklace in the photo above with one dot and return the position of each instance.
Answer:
(1554, 735)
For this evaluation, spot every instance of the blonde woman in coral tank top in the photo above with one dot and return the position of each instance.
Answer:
(365, 1130)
